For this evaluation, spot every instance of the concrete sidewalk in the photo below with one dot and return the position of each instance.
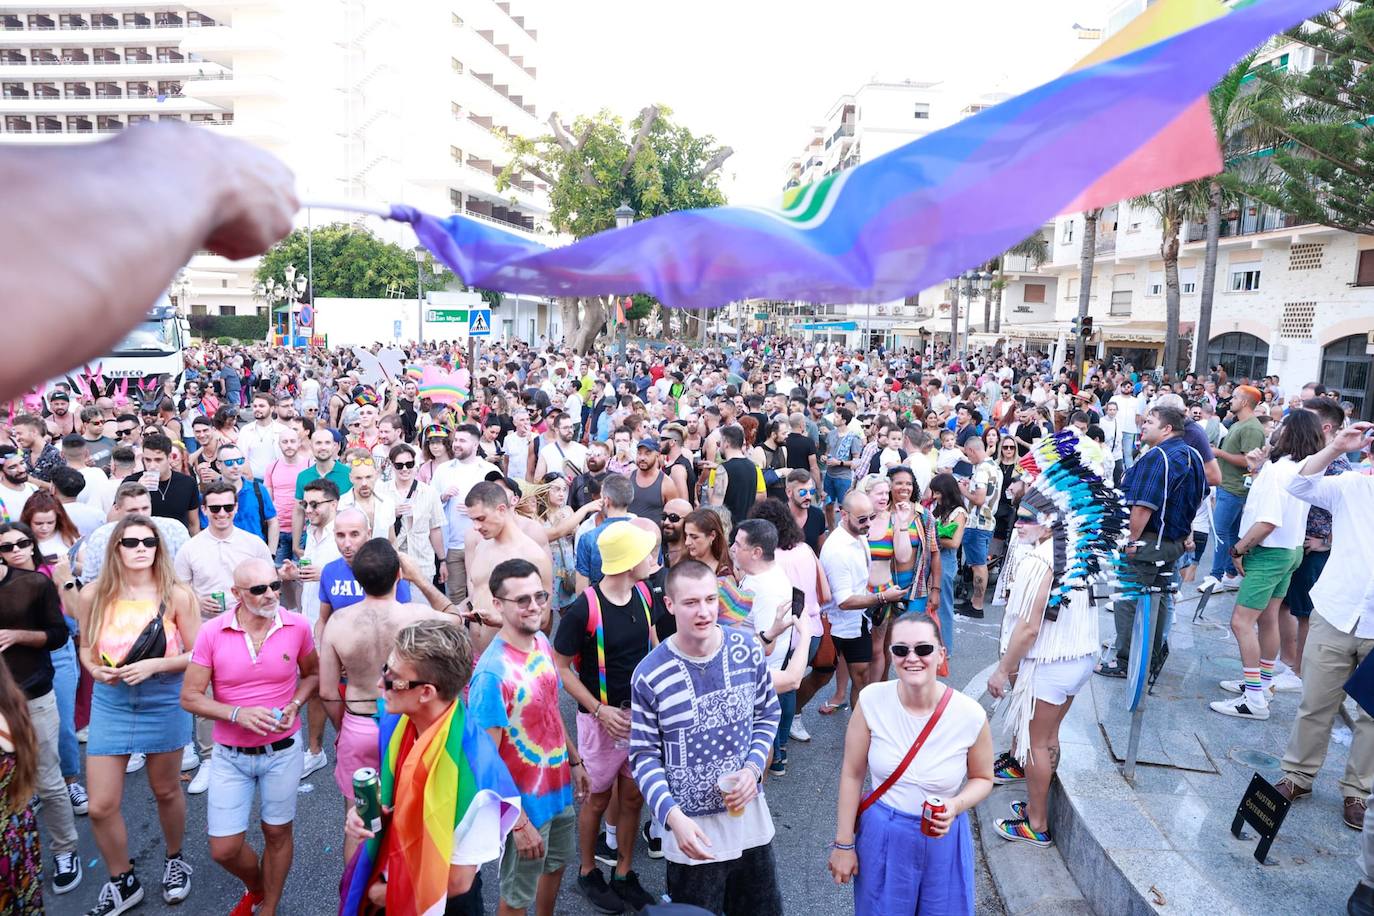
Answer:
(1163, 845)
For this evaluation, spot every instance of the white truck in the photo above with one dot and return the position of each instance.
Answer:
(152, 350)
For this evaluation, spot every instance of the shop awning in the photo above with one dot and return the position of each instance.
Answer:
(1150, 332)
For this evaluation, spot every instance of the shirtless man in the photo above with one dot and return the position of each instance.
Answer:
(501, 538)
(356, 642)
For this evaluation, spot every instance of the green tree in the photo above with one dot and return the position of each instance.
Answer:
(1319, 124)
(351, 263)
(1173, 207)
(1232, 103)
(599, 162)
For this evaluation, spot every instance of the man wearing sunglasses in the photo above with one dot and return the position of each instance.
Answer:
(801, 492)
(256, 513)
(261, 664)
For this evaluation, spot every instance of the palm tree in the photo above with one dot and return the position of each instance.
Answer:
(1232, 112)
(1034, 248)
(1173, 207)
(1086, 257)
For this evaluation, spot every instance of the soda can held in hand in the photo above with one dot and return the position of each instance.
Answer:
(933, 805)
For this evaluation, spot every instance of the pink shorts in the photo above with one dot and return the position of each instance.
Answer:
(356, 748)
(604, 761)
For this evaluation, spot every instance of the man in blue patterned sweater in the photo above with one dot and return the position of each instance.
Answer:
(704, 716)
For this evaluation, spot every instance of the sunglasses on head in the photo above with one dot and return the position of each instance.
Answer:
(131, 543)
(258, 591)
(922, 649)
(21, 544)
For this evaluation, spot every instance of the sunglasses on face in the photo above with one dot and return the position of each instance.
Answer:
(225, 508)
(315, 504)
(258, 591)
(121, 433)
(524, 601)
(403, 465)
(809, 491)
(922, 649)
(673, 517)
(232, 462)
(396, 685)
(131, 543)
(863, 520)
(21, 544)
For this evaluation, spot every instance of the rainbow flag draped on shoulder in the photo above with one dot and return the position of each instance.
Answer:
(451, 772)
(1132, 118)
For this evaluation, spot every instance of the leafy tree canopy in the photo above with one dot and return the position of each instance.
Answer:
(1318, 125)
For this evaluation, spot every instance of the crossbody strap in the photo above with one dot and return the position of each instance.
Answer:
(910, 754)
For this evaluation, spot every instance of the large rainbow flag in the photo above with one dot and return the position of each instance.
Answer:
(451, 772)
(1129, 119)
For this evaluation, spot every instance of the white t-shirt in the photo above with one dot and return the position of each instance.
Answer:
(99, 490)
(845, 560)
(321, 550)
(13, 501)
(557, 456)
(573, 407)
(463, 477)
(259, 446)
(1126, 407)
(771, 590)
(941, 767)
(85, 518)
(1269, 501)
(310, 392)
(517, 454)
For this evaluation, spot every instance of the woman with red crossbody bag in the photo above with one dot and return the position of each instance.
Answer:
(921, 740)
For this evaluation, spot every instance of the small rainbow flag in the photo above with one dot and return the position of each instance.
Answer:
(451, 772)
(736, 604)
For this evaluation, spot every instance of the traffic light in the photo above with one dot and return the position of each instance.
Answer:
(1074, 329)
(1088, 326)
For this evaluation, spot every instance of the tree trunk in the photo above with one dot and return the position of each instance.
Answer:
(1086, 260)
(583, 319)
(1202, 334)
(1171, 296)
(1000, 287)
(954, 318)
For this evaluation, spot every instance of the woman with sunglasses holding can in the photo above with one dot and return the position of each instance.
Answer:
(908, 845)
(141, 623)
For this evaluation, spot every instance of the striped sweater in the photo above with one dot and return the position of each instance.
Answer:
(696, 719)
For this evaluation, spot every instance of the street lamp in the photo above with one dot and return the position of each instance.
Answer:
(182, 288)
(419, 293)
(297, 285)
(975, 282)
(624, 218)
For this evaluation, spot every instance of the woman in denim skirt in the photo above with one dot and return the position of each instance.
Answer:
(136, 707)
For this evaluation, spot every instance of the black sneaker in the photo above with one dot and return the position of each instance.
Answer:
(604, 900)
(176, 879)
(629, 889)
(653, 845)
(968, 610)
(604, 853)
(779, 765)
(66, 872)
(119, 895)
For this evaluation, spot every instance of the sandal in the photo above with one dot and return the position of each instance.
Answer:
(1114, 668)
(829, 709)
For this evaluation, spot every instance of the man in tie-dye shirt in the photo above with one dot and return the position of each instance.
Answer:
(513, 694)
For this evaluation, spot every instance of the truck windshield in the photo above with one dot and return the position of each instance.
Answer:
(149, 337)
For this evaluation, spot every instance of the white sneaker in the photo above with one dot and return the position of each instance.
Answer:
(1209, 584)
(1245, 706)
(798, 731)
(1286, 680)
(1232, 583)
(136, 762)
(314, 762)
(201, 782)
(1239, 687)
(189, 758)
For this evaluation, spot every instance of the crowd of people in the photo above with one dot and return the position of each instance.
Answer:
(282, 560)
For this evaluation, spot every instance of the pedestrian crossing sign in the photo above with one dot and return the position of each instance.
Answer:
(479, 322)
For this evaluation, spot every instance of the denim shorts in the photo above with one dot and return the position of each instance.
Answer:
(235, 776)
(143, 719)
(976, 543)
(835, 488)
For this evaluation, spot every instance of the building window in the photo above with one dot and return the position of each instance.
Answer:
(1364, 276)
(1241, 355)
(1067, 236)
(1155, 285)
(198, 308)
(1121, 302)
(1245, 281)
(1345, 370)
(1187, 280)
(1033, 292)
(922, 111)
(228, 310)
(455, 199)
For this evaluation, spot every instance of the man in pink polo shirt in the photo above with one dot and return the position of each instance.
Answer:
(261, 663)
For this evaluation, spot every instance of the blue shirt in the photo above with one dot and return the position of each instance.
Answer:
(1168, 479)
(589, 554)
(339, 589)
(252, 513)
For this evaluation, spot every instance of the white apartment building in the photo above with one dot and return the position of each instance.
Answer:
(1293, 300)
(401, 101)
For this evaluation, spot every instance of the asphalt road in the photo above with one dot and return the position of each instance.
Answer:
(802, 803)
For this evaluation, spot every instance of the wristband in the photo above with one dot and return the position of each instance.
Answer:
(234, 716)
(843, 847)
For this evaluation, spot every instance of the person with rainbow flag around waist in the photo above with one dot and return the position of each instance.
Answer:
(435, 759)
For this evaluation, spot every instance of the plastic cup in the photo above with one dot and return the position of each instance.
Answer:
(727, 783)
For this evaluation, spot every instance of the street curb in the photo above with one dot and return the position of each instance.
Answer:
(1028, 880)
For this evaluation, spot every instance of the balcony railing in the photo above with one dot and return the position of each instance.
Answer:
(1105, 244)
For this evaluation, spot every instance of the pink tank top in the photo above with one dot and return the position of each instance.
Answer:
(122, 623)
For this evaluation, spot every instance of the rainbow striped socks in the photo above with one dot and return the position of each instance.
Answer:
(1254, 684)
(1266, 672)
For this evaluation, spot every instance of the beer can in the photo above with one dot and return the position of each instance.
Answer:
(934, 805)
(367, 797)
(218, 598)
(305, 561)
